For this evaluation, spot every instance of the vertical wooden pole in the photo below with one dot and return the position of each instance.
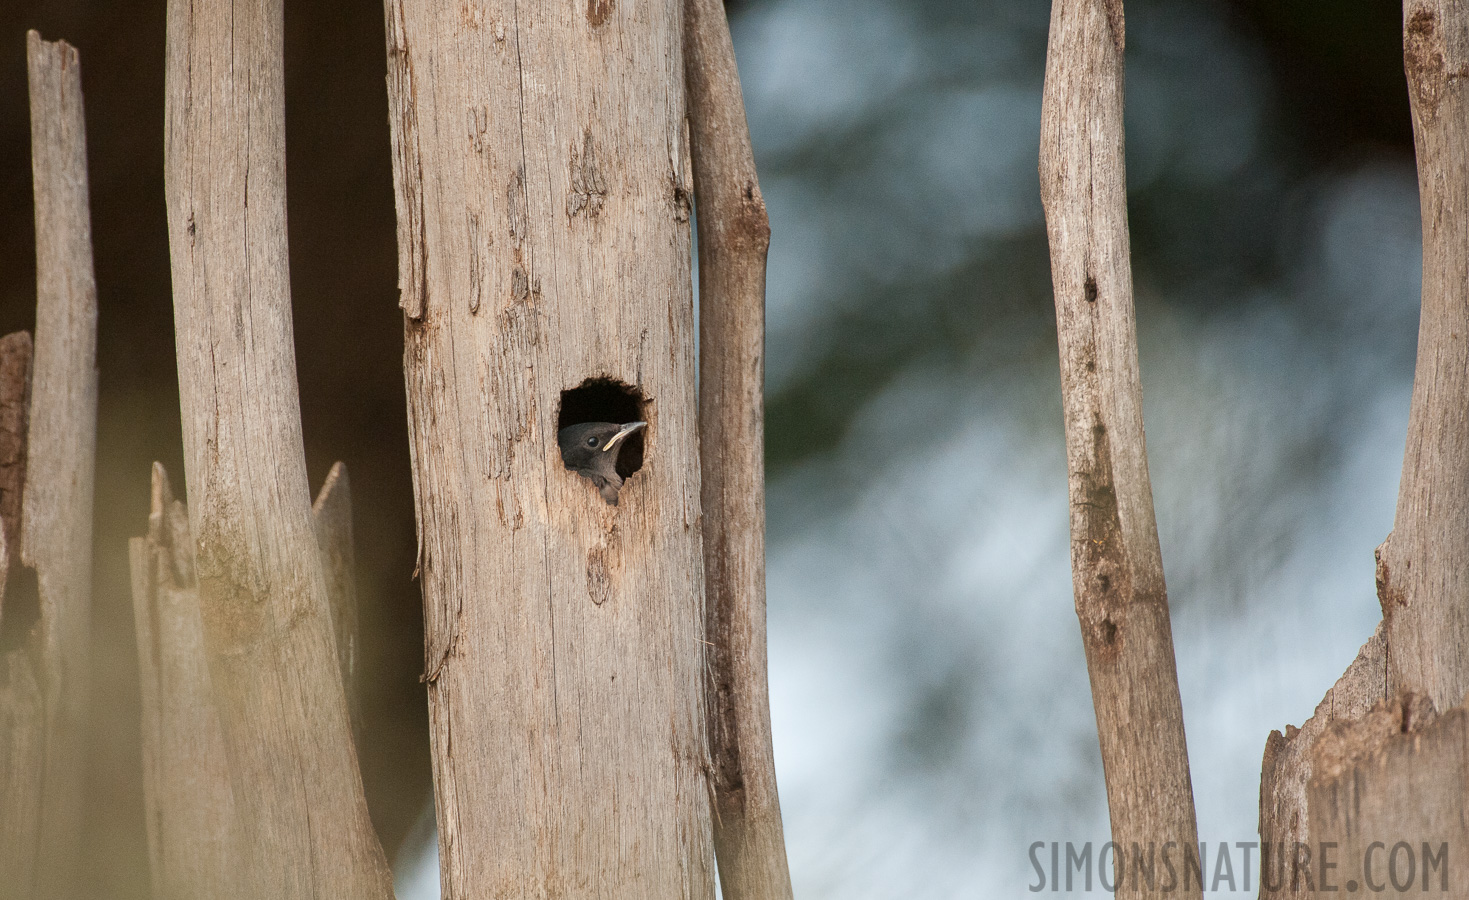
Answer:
(44, 680)
(1423, 566)
(1116, 563)
(543, 212)
(301, 816)
(1421, 648)
(734, 235)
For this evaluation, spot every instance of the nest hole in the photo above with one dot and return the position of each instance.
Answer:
(608, 400)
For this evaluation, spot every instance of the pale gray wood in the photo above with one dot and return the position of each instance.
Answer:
(1284, 814)
(734, 235)
(1117, 567)
(42, 770)
(1422, 645)
(1398, 774)
(187, 793)
(539, 157)
(301, 814)
(1423, 566)
(331, 513)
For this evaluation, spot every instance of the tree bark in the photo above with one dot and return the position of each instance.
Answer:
(301, 816)
(1116, 563)
(43, 698)
(540, 171)
(734, 235)
(1423, 566)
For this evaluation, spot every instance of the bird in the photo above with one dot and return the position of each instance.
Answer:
(591, 449)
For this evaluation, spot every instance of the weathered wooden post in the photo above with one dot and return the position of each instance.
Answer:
(1383, 757)
(48, 416)
(1116, 562)
(300, 824)
(542, 174)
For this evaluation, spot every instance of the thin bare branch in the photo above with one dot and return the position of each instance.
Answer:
(734, 235)
(1116, 563)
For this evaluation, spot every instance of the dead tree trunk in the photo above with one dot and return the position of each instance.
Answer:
(734, 235)
(301, 822)
(1423, 566)
(1419, 657)
(542, 182)
(1116, 563)
(46, 551)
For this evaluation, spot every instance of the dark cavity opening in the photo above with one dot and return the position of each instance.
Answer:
(22, 607)
(607, 400)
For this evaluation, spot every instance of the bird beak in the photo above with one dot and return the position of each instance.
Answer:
(622, 433)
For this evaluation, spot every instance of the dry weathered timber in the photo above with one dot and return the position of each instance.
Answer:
(301, 816)
(1284, 817)
(543, 205)
(1116, 564)
(1423, 566)
(734, 235)
(332, 516)
(186, 781)
(45, 677)
(1422, 646)
(1387, 804)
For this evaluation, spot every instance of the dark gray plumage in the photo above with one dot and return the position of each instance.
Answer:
(591, 450)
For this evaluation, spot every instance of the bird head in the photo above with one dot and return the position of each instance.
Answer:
(591, 450)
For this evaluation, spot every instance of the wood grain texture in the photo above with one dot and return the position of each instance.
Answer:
(45, 692)
(1116, 563)
(540, 166)
(1286, 771)
(1387, 804)
(331, 513)
(187, 792)
(301, 815)
(1423, 566)
(1421, 648)
(734, 235)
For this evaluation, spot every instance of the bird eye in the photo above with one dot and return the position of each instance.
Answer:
(591, 442)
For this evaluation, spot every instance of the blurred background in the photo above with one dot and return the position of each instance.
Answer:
(931, 707)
